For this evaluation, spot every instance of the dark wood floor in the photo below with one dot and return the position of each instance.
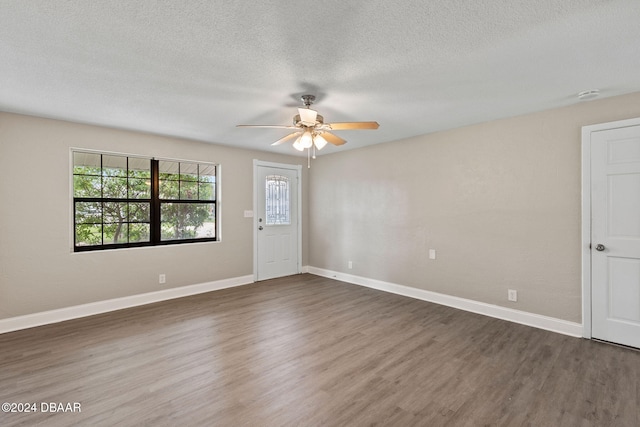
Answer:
(309, 351)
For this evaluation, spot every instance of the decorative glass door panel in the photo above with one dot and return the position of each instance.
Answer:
(277, 200)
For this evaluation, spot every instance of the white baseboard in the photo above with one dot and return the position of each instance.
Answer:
(53, 316)
(74, 312)
(535, 320)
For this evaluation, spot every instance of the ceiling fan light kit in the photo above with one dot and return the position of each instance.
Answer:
(319, 142)
(311, 131)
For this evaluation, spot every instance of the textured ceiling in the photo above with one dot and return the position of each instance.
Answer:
(196, 68)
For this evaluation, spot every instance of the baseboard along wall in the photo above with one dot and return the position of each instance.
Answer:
(530, 319)
(59, 315)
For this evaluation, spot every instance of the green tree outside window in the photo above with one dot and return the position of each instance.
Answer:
(113, 200)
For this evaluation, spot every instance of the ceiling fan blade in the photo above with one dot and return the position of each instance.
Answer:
(286, 138)
(307, 116)
(267, 126)
(354, 125)
(334, 139)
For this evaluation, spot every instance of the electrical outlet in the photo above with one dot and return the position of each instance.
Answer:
(512, 295)
(350, 264)
(432, 254)
(162, 279)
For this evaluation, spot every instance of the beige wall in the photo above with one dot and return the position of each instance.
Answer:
(499, 201)
(39, 271)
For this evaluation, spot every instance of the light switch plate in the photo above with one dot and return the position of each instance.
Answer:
(248, 214)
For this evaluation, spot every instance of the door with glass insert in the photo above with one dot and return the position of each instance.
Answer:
(276, 222)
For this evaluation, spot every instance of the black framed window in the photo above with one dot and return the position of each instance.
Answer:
(124, 201)
(187, 200)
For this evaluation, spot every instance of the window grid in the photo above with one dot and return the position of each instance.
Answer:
(137, 216)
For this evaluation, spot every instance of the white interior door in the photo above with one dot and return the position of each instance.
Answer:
(615, 235)
(277, 220)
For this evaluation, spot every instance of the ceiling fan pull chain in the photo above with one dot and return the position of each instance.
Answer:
(308, 158)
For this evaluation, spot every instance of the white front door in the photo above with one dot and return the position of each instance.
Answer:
(276, 221)
(615, 235)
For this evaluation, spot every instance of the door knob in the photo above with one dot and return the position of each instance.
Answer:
(600, 247)
(260, 228)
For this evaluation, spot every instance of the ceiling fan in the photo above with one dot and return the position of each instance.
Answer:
(310, 130)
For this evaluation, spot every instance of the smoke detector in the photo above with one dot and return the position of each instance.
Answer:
(588, 94)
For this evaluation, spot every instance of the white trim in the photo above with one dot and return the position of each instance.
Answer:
(586, 231)
(298, 169)
(219, 203)
(586, 214)
(71, 219)
(90, 309)
(529, 319)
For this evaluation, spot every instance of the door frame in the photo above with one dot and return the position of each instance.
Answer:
(298, 169)
(587, 131)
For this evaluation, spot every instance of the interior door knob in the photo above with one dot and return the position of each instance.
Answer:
(600, 247)
(260, 228)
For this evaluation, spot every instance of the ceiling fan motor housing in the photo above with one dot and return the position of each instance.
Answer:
(297, 121)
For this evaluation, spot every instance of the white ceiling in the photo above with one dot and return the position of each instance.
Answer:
(196, 68)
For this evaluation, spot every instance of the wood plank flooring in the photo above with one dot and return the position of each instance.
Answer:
(309, 351)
